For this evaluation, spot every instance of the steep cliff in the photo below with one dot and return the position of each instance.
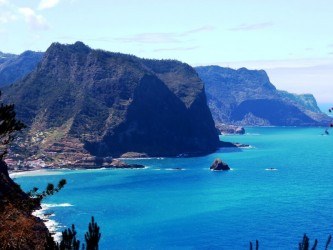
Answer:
(18, 228)
(247, 97)
(85, 101)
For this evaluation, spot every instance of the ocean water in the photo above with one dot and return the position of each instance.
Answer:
(161, 207)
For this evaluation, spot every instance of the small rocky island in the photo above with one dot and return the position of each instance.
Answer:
(219, 165)
(226, 129)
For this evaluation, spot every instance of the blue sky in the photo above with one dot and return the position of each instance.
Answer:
(291, 39)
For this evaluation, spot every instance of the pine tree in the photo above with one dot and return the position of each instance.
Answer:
(93, 235)
(69, 241)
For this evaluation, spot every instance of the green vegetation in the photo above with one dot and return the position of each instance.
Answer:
(8, 125)
(50, 190)
(304, 245)
(69, 241)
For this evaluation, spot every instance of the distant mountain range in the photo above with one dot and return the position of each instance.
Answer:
(247, 97)
(79, 102)
(15, 67)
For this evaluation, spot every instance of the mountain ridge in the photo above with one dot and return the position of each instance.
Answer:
(237, 97)
(14, 67)
(113, 104)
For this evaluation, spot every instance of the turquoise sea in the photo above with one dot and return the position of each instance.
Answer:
(163, 208)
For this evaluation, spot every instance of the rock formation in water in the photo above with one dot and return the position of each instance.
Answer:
(218, 164)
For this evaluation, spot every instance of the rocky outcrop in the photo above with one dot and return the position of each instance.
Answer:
(18, 228)
(247, 97)
(120, 164)
(226, 129)
(110, 104)
(218, 164)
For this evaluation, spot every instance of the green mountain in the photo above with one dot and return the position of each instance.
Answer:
(81, 102)
(15, 67)
(247, 97)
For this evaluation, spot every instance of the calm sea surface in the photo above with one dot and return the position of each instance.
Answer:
(195, 208)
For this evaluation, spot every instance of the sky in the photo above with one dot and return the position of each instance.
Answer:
(291, 39)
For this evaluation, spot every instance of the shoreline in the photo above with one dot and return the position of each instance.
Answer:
(52, 225)
(117, 163)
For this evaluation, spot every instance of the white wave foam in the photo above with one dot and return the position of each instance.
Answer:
(271, 169)
(47, 206)
(174, 169)
(52, 225)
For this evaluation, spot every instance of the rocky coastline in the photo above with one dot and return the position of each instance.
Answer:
(91, 162)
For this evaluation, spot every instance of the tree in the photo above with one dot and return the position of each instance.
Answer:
(257, 245)
(8, 125)
(93, 235)
(50, 190)
(69, 241)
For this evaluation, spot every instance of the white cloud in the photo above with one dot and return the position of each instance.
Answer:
(163, 37)
(206, 28)
(6, 17)
(47, 4)
(150, 38)
(3, 2)
(36, 22)
(177, 49)
(252, 26)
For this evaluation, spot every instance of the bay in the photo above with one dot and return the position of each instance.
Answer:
(278, 189)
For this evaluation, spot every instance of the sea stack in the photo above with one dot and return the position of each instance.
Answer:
(218, 164)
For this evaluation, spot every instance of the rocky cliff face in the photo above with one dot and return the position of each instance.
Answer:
(14, 67)
(18, 228)
(93, 102)
(247, 97)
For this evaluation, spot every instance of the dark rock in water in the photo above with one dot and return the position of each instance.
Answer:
(134, 155)
(225, 144)
(229, 129)
(177, 168)
(218, 164)
(120, 164)
(240, 131)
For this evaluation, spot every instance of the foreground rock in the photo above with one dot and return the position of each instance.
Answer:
(19, 229)
(218, 164)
